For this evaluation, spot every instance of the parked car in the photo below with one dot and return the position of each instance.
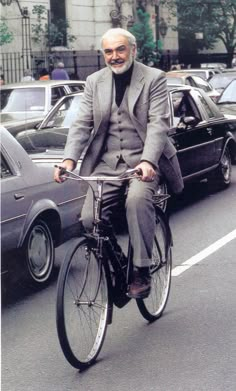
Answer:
(206, 73)
(227, 100)
(201, 133)
(214, 65)
(37, 214)
(25, 104)
(220, 82)
(175, 78)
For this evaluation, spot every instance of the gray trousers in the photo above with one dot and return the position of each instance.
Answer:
(139, 208)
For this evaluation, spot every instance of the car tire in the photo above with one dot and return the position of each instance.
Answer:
(39, 253)
(221, 177)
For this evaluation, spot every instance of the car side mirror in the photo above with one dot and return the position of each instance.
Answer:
(190, 121)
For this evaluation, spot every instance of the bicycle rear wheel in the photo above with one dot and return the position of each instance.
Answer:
(82, 305)
(153, 306)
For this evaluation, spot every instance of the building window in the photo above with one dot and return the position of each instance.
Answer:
(58, 18)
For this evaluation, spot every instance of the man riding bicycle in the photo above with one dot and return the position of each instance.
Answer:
(123, 122)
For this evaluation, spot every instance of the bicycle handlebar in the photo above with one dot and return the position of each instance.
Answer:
(128, 174)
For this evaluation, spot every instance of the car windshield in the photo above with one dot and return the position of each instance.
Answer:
(199, 73)
(22, 100)
(229, 94)
(221, 80)
(174, 80)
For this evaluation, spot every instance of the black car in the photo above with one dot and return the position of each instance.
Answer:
(201, 134)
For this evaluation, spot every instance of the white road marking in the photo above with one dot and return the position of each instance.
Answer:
(203, 254)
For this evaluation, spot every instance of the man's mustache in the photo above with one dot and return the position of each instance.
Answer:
(118, 61)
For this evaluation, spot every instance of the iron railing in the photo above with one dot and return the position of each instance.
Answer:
(79, 64)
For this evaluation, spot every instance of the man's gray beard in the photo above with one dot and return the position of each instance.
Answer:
(124, 68)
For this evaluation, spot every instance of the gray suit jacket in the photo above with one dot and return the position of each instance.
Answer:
(149, 112)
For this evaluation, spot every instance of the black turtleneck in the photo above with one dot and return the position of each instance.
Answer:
(121, 82)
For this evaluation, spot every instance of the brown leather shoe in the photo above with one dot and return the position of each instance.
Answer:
(140, 287)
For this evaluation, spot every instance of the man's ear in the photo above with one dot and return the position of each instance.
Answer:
(134, 50)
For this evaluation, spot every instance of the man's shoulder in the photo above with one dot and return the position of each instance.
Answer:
(99, 74)
(149, 70)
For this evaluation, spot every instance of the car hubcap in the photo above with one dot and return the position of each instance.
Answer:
(225, 166)
(39, 252)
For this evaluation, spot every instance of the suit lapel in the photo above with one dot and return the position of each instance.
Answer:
(105, 91)
(136, 86)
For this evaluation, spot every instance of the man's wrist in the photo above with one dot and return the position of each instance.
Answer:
(71, 163)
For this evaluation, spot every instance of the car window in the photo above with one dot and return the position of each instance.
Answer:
(57, 93)
(65, 114)
(77, 87)
(183, 106)
(190, 81)
(200, 73)
(5, 169)
(22, 99)
(207, 108)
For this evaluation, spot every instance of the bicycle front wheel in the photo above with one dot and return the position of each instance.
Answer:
(153, 306)
(82, 305)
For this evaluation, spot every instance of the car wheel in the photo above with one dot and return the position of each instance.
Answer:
(39, 253)
(221, 177)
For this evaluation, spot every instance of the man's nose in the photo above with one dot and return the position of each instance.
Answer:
(114, 54)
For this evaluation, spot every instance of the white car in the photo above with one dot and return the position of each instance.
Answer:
(25, 104)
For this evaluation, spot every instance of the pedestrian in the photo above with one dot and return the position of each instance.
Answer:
(125, 116)
(59, 73)
(176, 66)
(168, 60)
(44, 74)
(27, 75)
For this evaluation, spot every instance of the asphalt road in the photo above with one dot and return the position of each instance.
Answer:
(191, 348)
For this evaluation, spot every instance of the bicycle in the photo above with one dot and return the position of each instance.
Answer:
(95, 276)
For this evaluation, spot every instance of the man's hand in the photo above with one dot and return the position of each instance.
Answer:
(148, 172)
(68, 165)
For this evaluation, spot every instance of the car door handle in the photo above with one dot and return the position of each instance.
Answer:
(209, 131)
(18, 196)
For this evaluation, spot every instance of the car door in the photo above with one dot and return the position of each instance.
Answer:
(194, 143)
(14, 205)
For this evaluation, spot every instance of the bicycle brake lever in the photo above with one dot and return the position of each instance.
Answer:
(62, 169)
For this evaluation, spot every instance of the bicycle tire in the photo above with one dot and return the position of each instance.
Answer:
(82, 305)
(153, 306)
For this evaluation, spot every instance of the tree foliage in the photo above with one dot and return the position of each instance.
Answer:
(144, 37)
(6, 36)
(216, 19)
(51, 34)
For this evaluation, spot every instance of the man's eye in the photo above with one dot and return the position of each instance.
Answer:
(121, 49)
(108, 51)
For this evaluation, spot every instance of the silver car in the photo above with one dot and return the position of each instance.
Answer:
(38, 214)
(25, 104)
